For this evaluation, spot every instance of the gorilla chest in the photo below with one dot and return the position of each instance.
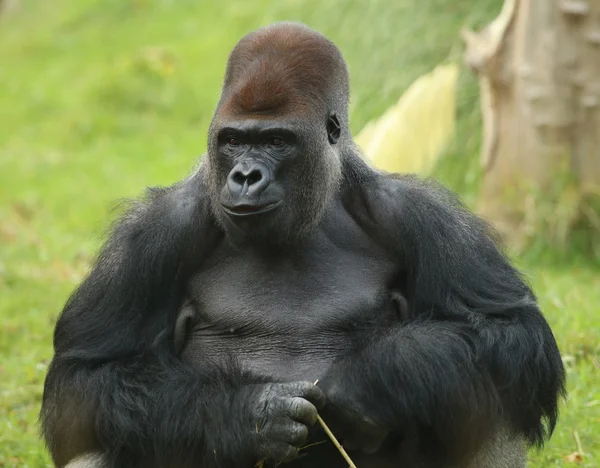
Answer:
(289, 316)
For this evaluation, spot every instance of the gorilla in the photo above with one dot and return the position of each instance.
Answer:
(285, 279)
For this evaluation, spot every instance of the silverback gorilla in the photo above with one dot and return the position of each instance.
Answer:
(285, 258)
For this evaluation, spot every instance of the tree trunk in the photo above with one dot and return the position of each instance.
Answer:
(538, 64)
(7, 5)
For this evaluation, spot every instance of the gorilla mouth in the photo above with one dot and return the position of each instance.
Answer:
(249, 210)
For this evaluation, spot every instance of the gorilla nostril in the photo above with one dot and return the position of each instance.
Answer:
(239, 178)
(254, 177)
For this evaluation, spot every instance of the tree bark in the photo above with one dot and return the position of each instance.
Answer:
(538, 64)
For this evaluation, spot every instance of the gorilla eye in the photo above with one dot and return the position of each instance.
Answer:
(234, 142)
(277, 142)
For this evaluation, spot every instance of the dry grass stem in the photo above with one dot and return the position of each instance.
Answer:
(578, 442)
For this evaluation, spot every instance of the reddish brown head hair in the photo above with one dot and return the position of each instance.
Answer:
(285, 68)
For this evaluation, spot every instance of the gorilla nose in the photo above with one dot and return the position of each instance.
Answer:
(248, 179)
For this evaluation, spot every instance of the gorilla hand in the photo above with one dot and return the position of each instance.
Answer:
(280, 414)
(348, 418)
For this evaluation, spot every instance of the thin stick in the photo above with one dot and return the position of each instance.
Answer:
(334, 440)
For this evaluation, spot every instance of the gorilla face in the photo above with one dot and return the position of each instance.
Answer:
(256, 155)
(275, 176)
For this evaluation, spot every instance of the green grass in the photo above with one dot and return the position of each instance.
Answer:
(100, 99)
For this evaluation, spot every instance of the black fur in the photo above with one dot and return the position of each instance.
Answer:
(424, 338)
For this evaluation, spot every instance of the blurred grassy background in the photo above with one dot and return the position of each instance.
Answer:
(99, 99)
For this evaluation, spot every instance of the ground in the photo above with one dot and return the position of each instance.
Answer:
(100, 99)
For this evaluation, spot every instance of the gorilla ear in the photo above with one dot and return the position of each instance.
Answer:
(334, 129)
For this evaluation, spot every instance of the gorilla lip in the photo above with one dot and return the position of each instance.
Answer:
(249, 210)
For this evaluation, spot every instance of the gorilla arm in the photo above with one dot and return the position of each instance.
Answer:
(116, 385)
(112, 341)
(476, 346)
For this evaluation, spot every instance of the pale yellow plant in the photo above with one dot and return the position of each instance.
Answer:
(411, 135)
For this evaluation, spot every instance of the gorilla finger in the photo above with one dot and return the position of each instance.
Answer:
(308, 391)
(302, 411)
(288, 431)
(295, 408)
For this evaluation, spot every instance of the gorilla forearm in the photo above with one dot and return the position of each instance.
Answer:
(417, 376)
(456, 379)
(144, 411)
(155, 411)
